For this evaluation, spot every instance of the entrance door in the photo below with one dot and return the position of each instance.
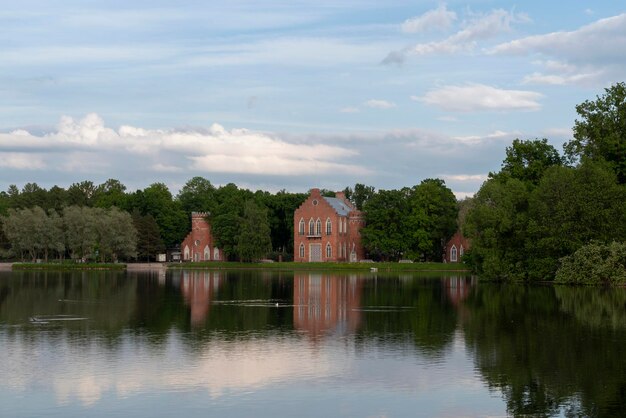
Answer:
(315, 253)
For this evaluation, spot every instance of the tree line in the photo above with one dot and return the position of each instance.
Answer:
(81, 232)
(534, 216)
(407, 223)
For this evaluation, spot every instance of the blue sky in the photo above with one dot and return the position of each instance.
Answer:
(293, 94)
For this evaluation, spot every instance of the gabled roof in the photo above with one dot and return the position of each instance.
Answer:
(338, 205)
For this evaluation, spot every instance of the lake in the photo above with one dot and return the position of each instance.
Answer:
(285, 344)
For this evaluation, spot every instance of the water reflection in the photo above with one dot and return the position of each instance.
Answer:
(433, 346)
(198, 289)
(326, 303)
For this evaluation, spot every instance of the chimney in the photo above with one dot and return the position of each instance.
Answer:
(341, 195)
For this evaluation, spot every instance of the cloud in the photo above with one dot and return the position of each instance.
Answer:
(477, 27)
(494, 135)
(464, 177)
(440, 19)
(87, 145)
(587, 55)
(480, 97)
(21, 160)
(379, 104)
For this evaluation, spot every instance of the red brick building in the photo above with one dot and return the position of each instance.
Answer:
(455, 248)
(199, 244)
(327, 229)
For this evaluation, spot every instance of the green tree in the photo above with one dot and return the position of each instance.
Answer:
(360, 195)
(80, 232)
(81, 194)
(254, 241)
(386, 234)
(528, 160)
(600, 133)
(197, 195)
(149, 242)
(432, 218)
(111, 193)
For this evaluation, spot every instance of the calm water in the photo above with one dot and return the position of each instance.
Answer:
(261, 344)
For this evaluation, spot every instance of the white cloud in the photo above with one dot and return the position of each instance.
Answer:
(476, 28)
(464, 177)
(480, 97)
(440, 19)
(21, 160)
(87, 145)
(379, 104)
(471, 139)
(596, 43)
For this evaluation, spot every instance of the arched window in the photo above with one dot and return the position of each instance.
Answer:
(345, 226)
(329, 226)
(340, 226)
(301, 227)
(311, 227)
(461, 251)
(207, 253)
(345, 250)
(318, 227)
(216, 254)
(329, 250)
(186, 253)
(301, 250)
(453, 257)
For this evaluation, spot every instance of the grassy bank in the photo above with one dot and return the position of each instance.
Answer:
(382, 267)
(68, 266)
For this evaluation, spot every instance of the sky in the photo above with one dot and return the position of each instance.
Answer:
(277, 94)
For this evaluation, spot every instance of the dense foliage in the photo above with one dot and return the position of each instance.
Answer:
(410, 223)
(595, 263)
(538, 209)
(84, 233)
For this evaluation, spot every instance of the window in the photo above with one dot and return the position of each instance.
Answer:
(301, 227)
(207, 253)
(329, 250)
(329, 226)
(186, 253)
(453, 257)
(311, 227)
(216, 254)
(340, 226)
(318, 227)
(345, 226)
(301, 250)
(461, 251)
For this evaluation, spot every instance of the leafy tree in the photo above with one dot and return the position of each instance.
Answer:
(528, 160)
(80, 232)
(149, 242)
(360, 195)
(569, 208)
(497, 226)
(156, 200)
(32, 195)
(600, 133)
(386, 234)
(52, 236)
(197, 195)
(432, 218)
(81, 194)
(254, 241)
(111, 193)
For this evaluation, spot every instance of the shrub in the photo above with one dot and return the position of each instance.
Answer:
(595, 263)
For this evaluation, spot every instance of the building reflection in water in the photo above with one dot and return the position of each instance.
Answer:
(198, 289)
(326, 303)
(458, 288)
